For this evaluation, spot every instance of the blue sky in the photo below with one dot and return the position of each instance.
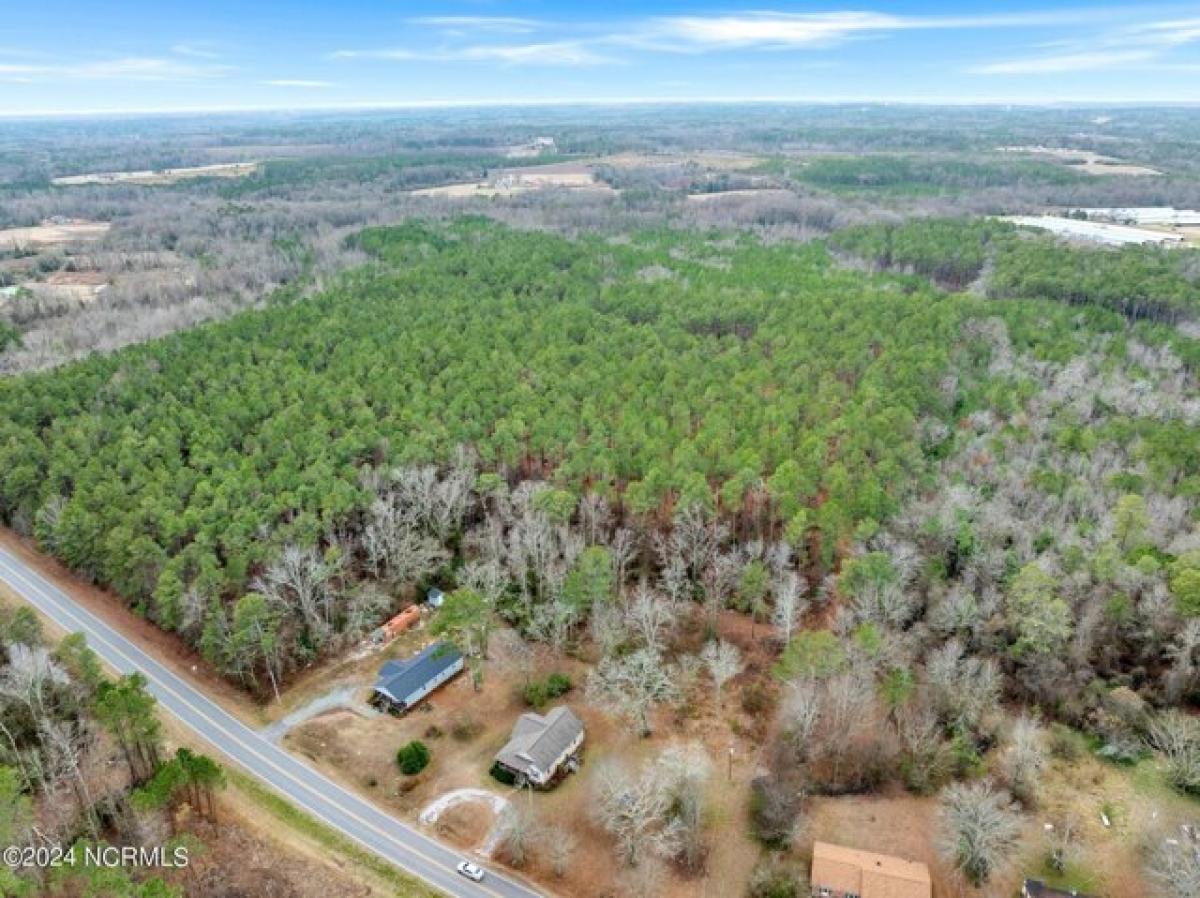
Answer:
(150, 55)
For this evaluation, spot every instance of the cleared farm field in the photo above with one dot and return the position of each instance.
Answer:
(160, 176)
(1087, 161)
(1191, 233)
(712, 159)
(1101, 166)
(718, 196)
(511, 182)
(77, 286)
(53, 234)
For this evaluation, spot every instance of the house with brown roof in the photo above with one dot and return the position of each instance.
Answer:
(840, 872)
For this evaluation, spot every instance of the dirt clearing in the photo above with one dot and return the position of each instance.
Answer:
(53, 233)
(738, 196)
(514, 181)
(162, 176)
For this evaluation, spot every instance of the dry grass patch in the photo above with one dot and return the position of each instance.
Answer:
(149, 177)
(53, 234)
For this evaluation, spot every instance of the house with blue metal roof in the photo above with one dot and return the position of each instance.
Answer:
(403, 684)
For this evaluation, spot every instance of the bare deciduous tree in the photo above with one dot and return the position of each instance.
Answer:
(963, 688)
(395, 546)
(1025, 760)
(724, 662)
(595, 516)
(693, 540)
(1177, 736)
(800, 712)
(520, 832)
(978, 829)
(632, 685)
(608, 627)
(560, 850)
(658, 809)
(301, 583)
(1182, 652)
(789, 605)
(926, 759)
(1173, 863)
(632, 807)
(650, 618)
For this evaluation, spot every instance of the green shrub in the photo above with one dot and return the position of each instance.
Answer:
(812, 654)
(773, 878)
(9, 335)
(558, 684)
(413, 757)
(539, 692)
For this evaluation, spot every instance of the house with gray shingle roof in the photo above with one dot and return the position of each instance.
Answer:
(540, 745)
(402, 684)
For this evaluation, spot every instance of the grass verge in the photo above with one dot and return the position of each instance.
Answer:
(406, 886)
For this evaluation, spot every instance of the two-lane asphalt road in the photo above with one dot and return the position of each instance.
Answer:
(309, 790)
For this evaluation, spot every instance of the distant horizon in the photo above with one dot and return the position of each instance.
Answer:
(138, 57)
(419, 105)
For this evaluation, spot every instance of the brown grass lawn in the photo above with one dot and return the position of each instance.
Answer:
(361, 752)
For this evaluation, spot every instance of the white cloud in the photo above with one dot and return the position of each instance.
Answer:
(771, 29)
(145, 68)
(1170, 34)
(680, 34)
(128, 68)
(298, 82)
(1064, 62)
(1126, 41)
(765, 29)
(545, 53)
(503, 24)
(197, 50)
(1142, 45)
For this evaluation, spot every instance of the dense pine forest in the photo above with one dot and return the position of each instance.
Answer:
(782, 394)
(765, 387)
(1140, 282)
(951, 465)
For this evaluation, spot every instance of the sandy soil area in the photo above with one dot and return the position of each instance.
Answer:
(51, 234)
(1101, 167)
(738, 196)
(514, 181)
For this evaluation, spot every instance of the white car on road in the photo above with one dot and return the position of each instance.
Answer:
(470, 871)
